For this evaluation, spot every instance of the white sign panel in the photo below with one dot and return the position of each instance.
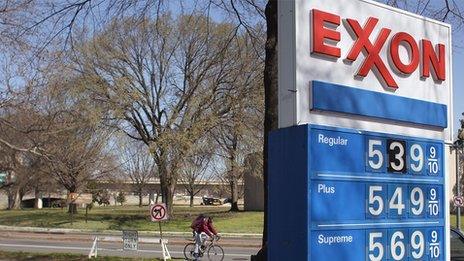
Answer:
(364, 65)
(130, 240)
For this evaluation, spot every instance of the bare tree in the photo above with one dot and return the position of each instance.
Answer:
(446, 10)
(194, 175)
(162, 81)
(19, 125)
(56, 133)
(138, 165)
(16, 183)
(240, 131)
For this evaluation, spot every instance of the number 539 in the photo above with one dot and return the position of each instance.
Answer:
(396, 157)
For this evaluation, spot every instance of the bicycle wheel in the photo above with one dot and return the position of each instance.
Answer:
(215, 253)
(189, 249)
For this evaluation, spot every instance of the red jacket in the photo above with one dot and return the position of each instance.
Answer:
(202, 225)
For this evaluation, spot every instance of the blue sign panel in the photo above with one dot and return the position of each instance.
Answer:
(341, 194)
(359, 102)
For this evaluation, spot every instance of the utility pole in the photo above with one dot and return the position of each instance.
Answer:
(457, 146)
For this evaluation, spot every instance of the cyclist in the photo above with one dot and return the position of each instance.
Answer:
(202, 226)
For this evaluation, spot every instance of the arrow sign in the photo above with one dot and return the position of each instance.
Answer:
(458, 201)
(158, 212)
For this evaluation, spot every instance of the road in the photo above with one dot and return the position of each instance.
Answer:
(235, 248)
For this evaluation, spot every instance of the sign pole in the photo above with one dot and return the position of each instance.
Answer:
(458, 190)
(158, 213)
(161, 231)
(86, 212)
(72, 214)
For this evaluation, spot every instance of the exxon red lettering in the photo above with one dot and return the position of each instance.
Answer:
(431, 59)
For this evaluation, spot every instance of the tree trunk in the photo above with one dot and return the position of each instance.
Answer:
(170, 199)
(157, 197)
(270, 105)
(167, 185)
(234, 194)
(191, 199)
(72, 208)
(17, 199)
(163, 183)
(36, 197)
(140, 198)
(11, 198)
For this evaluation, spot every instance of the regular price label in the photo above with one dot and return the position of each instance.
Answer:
(402, 156)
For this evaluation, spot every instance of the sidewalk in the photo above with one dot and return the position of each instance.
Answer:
(145, 237)
(117, 232)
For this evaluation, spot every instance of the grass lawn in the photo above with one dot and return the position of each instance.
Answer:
(59, 257)
(133, 217)
(453, 220)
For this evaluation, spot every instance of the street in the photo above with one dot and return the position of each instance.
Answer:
(234, 248)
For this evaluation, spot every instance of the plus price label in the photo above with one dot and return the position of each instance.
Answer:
(376, 197)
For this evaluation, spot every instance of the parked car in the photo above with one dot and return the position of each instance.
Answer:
(211, 201)
(54, 202)
(457, 245)
(46, 203)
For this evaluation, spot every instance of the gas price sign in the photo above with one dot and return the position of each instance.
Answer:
(357, 169)
(378, 196)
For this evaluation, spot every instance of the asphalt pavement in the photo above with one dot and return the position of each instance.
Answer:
(235, 248)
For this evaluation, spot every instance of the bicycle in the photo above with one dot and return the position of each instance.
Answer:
(213, 251)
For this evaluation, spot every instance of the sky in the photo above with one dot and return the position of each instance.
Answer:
(457, 52)
(458, 65)
(458, 79)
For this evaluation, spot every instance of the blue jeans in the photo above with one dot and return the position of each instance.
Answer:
(200, 239)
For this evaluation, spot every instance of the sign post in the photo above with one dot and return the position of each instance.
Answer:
(158, 213)
(458, 182)
(359, 162)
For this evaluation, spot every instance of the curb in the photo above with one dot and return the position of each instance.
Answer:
(115, 232)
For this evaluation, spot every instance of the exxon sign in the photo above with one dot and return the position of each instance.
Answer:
(361, 64)
(427, 56)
